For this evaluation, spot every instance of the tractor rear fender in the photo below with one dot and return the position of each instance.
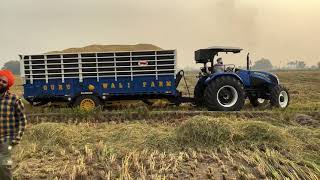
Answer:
(217, 75)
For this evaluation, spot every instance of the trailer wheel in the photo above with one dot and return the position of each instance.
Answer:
(199, 93)
(87, 102)
(280, 97)
(175, 101)
(38, 102)
(224, 94)
(147, 102)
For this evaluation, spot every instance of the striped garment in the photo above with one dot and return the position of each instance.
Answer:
(12, 118)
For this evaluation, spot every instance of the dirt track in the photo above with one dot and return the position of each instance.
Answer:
(169, 116)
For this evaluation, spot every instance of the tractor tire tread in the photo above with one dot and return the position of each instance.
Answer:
(213, 87)
(274, 95)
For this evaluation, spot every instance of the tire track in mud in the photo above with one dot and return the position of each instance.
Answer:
(155, 116)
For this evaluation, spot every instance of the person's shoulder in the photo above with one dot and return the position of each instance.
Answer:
(13, 96)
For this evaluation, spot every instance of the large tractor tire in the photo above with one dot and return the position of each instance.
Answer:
(256, 102)
(224, 94)
(199, 93)
(87, 102)
(279, 97)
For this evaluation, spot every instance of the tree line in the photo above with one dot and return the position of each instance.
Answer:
(265, 64)
(14, 66)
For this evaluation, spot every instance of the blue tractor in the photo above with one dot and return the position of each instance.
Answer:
(225, 88)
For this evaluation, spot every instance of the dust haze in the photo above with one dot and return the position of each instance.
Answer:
(279, 31)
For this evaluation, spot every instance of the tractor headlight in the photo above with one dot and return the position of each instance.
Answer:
(274, 78)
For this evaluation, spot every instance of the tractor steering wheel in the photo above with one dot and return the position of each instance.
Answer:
(230, 69)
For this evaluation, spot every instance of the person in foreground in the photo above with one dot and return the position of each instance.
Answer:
(12, 122)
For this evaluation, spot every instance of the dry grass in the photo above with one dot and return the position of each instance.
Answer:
(200, 147)
(304, 87)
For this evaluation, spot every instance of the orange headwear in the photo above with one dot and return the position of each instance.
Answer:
(9, 75)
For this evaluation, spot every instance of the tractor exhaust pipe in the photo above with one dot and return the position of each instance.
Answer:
(248, 62)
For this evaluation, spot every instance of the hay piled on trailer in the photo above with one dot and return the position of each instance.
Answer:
(111, 48)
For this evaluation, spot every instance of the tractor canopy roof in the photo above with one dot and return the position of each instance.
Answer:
(205, 55)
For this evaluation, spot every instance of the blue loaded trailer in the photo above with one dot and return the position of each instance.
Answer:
(89, 80)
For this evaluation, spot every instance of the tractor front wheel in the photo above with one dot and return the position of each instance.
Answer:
(255, 102)
(280, 97)
(87, 102)
(224, 94)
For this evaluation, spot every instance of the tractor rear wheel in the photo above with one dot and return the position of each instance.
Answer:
(199, 93)
(224, 94)
(87, 102)
(280, 97)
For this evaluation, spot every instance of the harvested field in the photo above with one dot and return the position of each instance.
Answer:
(198, 147)
(144, 142)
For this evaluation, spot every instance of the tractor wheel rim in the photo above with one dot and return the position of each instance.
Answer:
(87, 104)
(260, 100)
(283, 99)
(227, 96)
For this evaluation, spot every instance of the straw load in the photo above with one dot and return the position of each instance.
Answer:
(109, 48)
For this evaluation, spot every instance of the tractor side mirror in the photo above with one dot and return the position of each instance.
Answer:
(248, 62)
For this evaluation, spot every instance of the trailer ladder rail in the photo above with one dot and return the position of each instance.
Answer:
(98, 65)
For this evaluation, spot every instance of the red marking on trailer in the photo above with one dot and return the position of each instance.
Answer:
(143, 63)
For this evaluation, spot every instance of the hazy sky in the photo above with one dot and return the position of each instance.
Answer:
(280, 30)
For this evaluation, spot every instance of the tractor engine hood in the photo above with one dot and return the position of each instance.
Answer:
(269, 77)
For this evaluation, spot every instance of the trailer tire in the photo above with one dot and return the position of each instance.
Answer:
(87, 102)
(279, 97)
(175, 101)
(38, 103)
(147, 102)
(225, 93)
